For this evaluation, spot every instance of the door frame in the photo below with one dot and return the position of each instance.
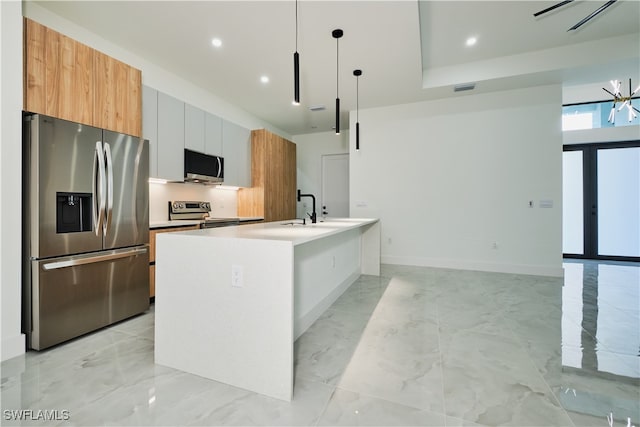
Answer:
(590, 197)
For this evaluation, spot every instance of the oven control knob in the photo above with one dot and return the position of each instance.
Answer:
(175, 205)
(207, 206)
(181, 205)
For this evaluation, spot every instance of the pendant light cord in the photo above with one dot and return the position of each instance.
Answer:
(296, 25)
(357, 99)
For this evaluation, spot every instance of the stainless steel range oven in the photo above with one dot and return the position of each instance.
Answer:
(179, 209)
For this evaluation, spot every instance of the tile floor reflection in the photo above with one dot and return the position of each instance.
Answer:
(416, 346)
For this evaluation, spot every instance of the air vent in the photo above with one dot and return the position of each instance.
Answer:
(317, 108)
(464, 86)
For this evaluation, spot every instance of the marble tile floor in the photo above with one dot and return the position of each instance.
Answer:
(415, 347)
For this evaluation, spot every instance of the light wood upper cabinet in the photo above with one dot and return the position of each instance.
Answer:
(273, 178)
(69, 80)
(58, 70)
(118, 95)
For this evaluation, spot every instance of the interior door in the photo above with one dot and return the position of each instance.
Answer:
(335, 185)
(128, 217)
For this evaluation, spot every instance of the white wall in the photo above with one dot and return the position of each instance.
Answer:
(451, 178)
(13, 341)
(309, 151)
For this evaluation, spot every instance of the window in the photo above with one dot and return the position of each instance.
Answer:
(595, 115)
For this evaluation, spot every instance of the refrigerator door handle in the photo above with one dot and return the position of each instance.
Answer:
(109, 201)
(93, 259)
(219, 168)
(98, 188)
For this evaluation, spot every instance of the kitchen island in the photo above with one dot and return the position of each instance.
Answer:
(231, 301)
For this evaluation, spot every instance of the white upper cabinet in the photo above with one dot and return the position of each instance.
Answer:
(171, 125)
(170, 138)
(236, 150)
(150, 126)
(194, 128)
(213, 135)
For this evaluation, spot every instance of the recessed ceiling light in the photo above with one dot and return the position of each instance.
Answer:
(264, 79)
(216, 42)
(471, 41)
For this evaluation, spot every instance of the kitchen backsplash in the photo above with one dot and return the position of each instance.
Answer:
(224, 203)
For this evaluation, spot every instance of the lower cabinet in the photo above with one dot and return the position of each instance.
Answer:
(152, 252)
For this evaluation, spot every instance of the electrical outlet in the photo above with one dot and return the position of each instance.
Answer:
(237, 276)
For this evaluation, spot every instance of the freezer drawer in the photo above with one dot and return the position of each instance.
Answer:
(73, 295)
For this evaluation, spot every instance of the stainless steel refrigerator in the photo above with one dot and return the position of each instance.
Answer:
(85, 229)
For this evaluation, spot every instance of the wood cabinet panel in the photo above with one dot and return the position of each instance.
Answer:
(35, 98)
(69, 80)
(118, 95)
(273, 178)
(152, 281)
(58, 75)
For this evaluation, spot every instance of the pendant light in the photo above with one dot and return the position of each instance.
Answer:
(296, 67)
(357, 73)
(336, 35)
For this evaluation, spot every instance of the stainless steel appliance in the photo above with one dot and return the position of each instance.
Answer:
(203, 168)
(179, 209)
(86, 229)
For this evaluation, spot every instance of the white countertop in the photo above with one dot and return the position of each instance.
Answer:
(283, 230)
(188, 222)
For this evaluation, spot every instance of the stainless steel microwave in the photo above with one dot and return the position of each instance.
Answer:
(203, 168)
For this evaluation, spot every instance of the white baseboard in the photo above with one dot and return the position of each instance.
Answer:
(535, 270)
(13, 346)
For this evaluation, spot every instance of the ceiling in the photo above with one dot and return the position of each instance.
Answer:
(408, 50)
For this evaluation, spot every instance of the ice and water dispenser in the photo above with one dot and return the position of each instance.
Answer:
(73, 212)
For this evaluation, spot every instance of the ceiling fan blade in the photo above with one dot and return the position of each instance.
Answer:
(592, 15)
(555, 6)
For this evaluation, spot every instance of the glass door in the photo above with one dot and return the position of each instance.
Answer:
(601, 201)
